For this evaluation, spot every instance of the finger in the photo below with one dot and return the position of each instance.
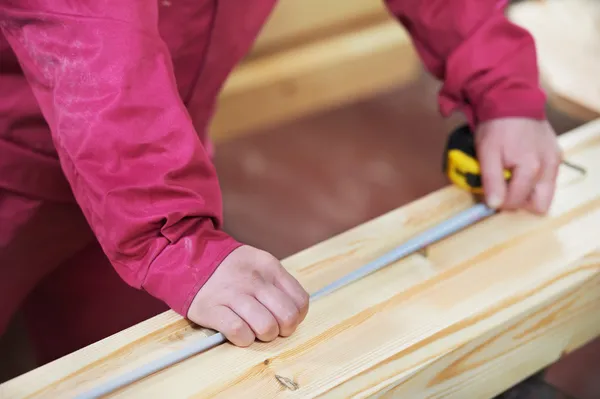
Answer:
(292, 287)
(257, 316)
(281, 306)
(522, 183)
(544, 190)
(227, 322)
(492, 177)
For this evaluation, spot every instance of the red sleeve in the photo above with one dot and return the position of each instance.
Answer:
(487, 64)
(104, 81)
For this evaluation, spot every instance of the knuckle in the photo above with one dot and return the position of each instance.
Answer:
(264, 262)
(239, 334)
(267, 331)
(290, 318)
(305, 299)
(555, 160)
(272, 264)
(237, 328)
(532, 164)
(264, 257)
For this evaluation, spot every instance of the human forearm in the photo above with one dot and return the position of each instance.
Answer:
(487, 64)
(103, 80)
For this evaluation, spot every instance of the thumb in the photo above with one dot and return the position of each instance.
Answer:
(494, 185)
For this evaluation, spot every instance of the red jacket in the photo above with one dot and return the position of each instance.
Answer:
(137, 163)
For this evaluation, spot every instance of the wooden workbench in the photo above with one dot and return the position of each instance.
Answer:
(485, 309)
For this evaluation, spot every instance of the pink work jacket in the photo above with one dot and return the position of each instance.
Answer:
(128, 87)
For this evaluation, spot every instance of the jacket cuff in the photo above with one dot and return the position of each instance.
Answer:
(527, 102)
(494, 74)
(183, 267)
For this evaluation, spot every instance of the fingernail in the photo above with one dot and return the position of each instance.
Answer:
(494, 201)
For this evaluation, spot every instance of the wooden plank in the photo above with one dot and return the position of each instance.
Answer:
(488, 307)
(331, 72)
(296, 21)
(567, 35)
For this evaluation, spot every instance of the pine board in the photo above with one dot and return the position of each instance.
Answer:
(486, 308)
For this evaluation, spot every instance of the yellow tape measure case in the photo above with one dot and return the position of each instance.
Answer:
(461, 164)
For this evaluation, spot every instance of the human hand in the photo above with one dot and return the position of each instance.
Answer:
(250, 296)
(527, 147)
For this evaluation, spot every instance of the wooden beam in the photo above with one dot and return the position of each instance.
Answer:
(295, 22)
(488, 307)
(567, 35)
(330, 72)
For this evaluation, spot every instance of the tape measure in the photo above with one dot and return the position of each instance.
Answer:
(460, 161)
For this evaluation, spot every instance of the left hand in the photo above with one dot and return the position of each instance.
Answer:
(527, 147)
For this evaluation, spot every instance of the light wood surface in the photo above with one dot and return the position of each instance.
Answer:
(486, 308)
(567, 35)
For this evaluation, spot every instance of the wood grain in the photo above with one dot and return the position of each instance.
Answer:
(488, 307)
(567, 36)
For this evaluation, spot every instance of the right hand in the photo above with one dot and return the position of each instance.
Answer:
(250, 295)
